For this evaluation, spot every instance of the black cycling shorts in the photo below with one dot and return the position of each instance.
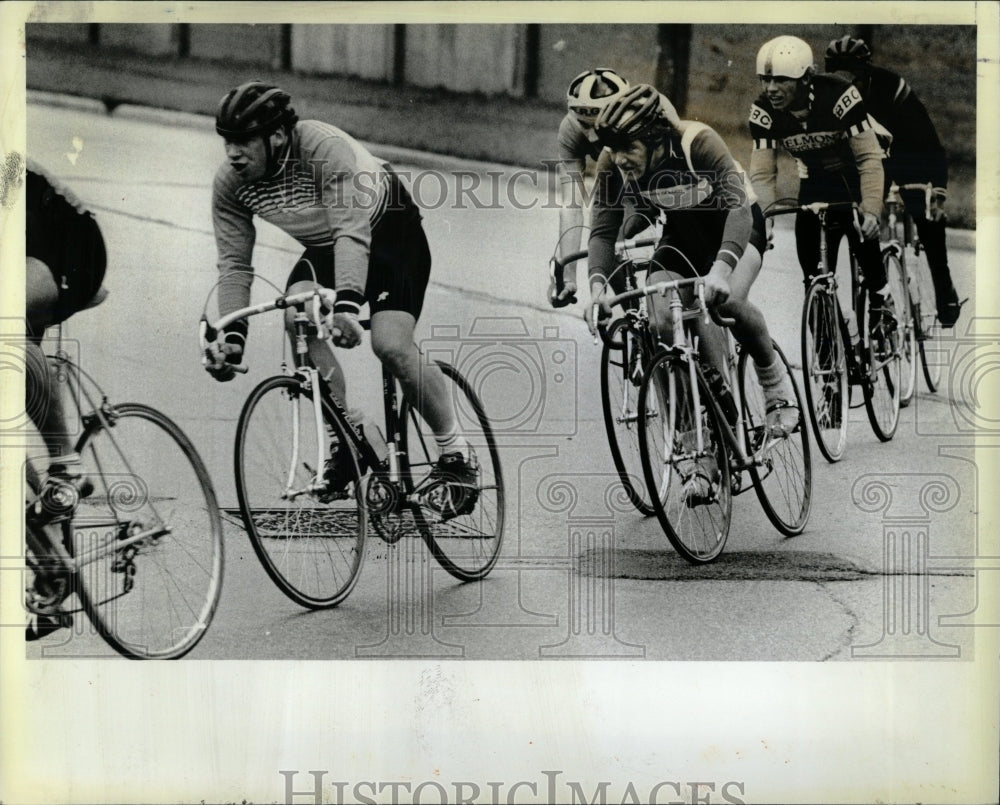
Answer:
(68, 241)
(399, 262)
(697, 235)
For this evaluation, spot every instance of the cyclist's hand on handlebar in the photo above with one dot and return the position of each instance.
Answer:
(936, 210)
(223, 358)
(560, 297)
(717, 289)
(870, 226)
(603, 313)
(561, 292)
(346, 330)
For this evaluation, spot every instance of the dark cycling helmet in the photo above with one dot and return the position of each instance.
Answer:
(636, 115)
(591, 91)
(848, 53)
(253, 108)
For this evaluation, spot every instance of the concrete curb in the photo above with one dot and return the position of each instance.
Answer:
(962, 238)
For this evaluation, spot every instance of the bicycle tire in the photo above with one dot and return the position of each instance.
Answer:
(925, 313)
(824, 370)
(466, 545)
(882, 391)
(694, 516)
(783, 482)
(619, 402)
(899, 288)
(153, 598)
(310, 542)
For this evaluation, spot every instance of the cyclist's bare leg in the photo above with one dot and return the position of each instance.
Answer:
(422, 382)
(750, 328)
(44, 402)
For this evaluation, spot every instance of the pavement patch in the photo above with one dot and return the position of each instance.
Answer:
(630, 563)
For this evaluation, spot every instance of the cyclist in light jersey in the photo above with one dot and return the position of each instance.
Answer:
(659, 163)
(820, 120)
(915, 155)
(586, 96)
(362, 236)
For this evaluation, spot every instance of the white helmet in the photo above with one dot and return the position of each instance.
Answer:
(786, 56)
(591, 91)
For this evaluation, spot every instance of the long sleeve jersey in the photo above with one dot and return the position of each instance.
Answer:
(894, 104)
(329, 191)
(696, 182)
(835, 136)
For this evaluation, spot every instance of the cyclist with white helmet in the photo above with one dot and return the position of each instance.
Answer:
(915, 156)
(586, 96)
(821, 120)
(362, 235)
(662, 164)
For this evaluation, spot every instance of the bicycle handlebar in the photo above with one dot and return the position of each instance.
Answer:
(662, 288)
(629, 243)
(320, 297)
(816, 207)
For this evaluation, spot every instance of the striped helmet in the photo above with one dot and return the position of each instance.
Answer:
(848, 53)
(591, 91)
(635, 115)
(784, 56)
(253, 108)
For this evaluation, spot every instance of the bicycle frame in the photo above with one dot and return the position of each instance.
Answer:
(101, 417)
(685, 345)
(311, 323)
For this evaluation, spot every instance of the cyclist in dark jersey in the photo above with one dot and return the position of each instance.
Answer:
(915, 155)
(65, 261)
(362, 236)
(661, 164)
(822, 121)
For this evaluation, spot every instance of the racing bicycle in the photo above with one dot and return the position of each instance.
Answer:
(833, 358)
(311, 480)
(694, 459)
(141, 553)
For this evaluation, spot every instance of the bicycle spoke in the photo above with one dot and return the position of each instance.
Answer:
(154, 596)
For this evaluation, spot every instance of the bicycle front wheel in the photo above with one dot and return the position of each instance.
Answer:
(782, 468)
(303, 511)
(462, 525)
(148, 540)
(899, 289)
(684, 460)
(622, 362)
(882, 389)
(824, 370)
(925, 313)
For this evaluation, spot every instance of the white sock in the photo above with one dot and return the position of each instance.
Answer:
(452, 442)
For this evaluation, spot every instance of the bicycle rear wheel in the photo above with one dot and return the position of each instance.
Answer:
(690, 484)
(782, 468)
(466, 544)
(899, 289)
(307, 529)
(824, 370)
(883, 386)
(148, 540)
(925, 314)
(621, 375)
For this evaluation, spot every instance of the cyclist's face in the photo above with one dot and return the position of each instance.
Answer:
(782, 92)
(249, 157)
(632, 160)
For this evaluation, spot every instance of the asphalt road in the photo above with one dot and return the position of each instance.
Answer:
(578, 577)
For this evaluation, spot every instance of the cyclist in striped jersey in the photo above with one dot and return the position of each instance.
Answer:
(362, 236)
